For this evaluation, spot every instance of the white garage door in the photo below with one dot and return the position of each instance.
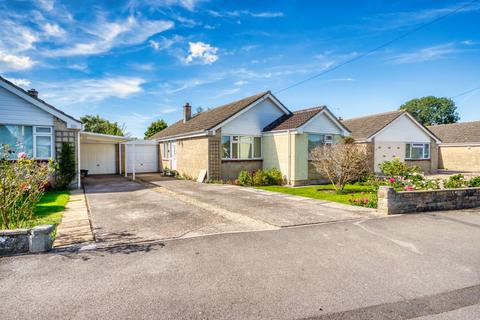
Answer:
(146, 158)
(98, 158)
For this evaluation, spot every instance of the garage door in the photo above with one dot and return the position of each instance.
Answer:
(98, 158)
(146, 158)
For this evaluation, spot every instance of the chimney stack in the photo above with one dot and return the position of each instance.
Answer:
(187, 112)
(33, 93)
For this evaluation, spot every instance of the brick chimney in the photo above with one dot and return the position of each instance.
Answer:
(187, 112)
(33, 93)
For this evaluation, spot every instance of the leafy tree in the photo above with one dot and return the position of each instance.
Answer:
(66, 166)
(432, 110)
(154, 127)
(100, 125)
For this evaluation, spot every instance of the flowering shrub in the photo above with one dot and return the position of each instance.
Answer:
(474, 182)
(396, 167)
(456, 181)
(365, 200)
(22, 184)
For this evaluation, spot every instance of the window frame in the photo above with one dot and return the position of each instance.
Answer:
(43, 134)
(166, 150)
(238, 142)
(410, 145)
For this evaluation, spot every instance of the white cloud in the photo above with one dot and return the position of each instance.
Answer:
(165, 43)
(78, 66)
(19, 82)
(427, 54)
(108, 35)
(238, 13)
(202, 52)
(53, 30)
(186, 4)
(46, 5)
(92, 90)
(10, 62)
(240, 83)
(15, 38)
(168, 110)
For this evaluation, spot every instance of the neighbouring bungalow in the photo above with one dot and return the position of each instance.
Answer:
(257, 132)
(396, 134)
(460, 147)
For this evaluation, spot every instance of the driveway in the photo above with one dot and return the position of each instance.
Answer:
(126, 211)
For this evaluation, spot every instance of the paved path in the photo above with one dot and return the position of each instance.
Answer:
(402, 267)
(75, 225)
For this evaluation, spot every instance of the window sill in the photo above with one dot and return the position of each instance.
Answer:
(426, 159)
(237, 160)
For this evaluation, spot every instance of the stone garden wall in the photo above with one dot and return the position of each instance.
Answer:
(392, 202)
(37, 239)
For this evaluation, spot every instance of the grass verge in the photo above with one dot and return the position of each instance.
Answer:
(325, 192)
(50, 208)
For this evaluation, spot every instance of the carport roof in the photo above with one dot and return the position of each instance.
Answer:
(463, 132)
(91, 137)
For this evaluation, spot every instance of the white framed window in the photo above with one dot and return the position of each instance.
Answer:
(417, 151)
(328, 139)
(316, 140)
(43, 143)
(241, 147)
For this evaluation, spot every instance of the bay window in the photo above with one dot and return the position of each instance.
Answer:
(241, 147)
(417, 151)
(36, 142)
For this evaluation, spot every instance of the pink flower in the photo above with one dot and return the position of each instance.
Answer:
(22, 155)
(365, 200)
(409, 188)
(392, 180)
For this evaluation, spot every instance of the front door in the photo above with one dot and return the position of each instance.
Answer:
(173, 156)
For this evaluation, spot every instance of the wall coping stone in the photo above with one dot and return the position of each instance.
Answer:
(14, 232)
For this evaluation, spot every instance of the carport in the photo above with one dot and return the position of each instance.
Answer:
(99, 152)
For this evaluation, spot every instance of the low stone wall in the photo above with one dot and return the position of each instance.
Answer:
(37, 239)
(392, 202)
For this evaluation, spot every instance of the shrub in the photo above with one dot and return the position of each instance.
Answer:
(474, 182)
(455, 181)
(66, 166)
(397, 168)
(260, 178)
(245, 179)
(364, 201)
(22, 184)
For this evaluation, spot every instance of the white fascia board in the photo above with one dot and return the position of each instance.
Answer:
(462, 144)
(72, 123)
(280, 132)
(252, 105)
(184, 136)
(414, 121)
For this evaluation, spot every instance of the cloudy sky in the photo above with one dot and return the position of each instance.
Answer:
(136, 61)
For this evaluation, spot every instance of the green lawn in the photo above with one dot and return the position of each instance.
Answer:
(50, 208)
(324, 192)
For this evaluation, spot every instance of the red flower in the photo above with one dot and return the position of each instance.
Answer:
(392, 180)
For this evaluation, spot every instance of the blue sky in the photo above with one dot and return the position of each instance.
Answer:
(136, 61)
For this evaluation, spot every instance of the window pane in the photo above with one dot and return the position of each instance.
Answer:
(43, 130)
(314, 141)
(16, 139)
(226, 147)
(245, 151)
(44, 147)
(407, 151)
(426, 153)
(417, 153)
(257, 147)
(234, 150)
(328, 139)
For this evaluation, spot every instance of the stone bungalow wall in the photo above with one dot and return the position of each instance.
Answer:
(392, 202)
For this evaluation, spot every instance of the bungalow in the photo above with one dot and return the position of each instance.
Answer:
(29, 124)
(257, 132)
(396, 134)
(460, 147)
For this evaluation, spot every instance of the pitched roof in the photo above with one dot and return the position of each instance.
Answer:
(293, 120)
(364, 127)
(463, 132)
(208, 119)
(37, 99)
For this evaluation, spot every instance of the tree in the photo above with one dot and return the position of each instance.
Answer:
(154, 127)
(100, 125)
(341, 163)
(432, 110)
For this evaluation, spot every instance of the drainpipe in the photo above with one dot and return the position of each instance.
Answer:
(289, 158)
(120, 158)
(133, 161)
(126, 159)
(79, 182)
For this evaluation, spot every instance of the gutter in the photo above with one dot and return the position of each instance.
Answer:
(186, 135)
